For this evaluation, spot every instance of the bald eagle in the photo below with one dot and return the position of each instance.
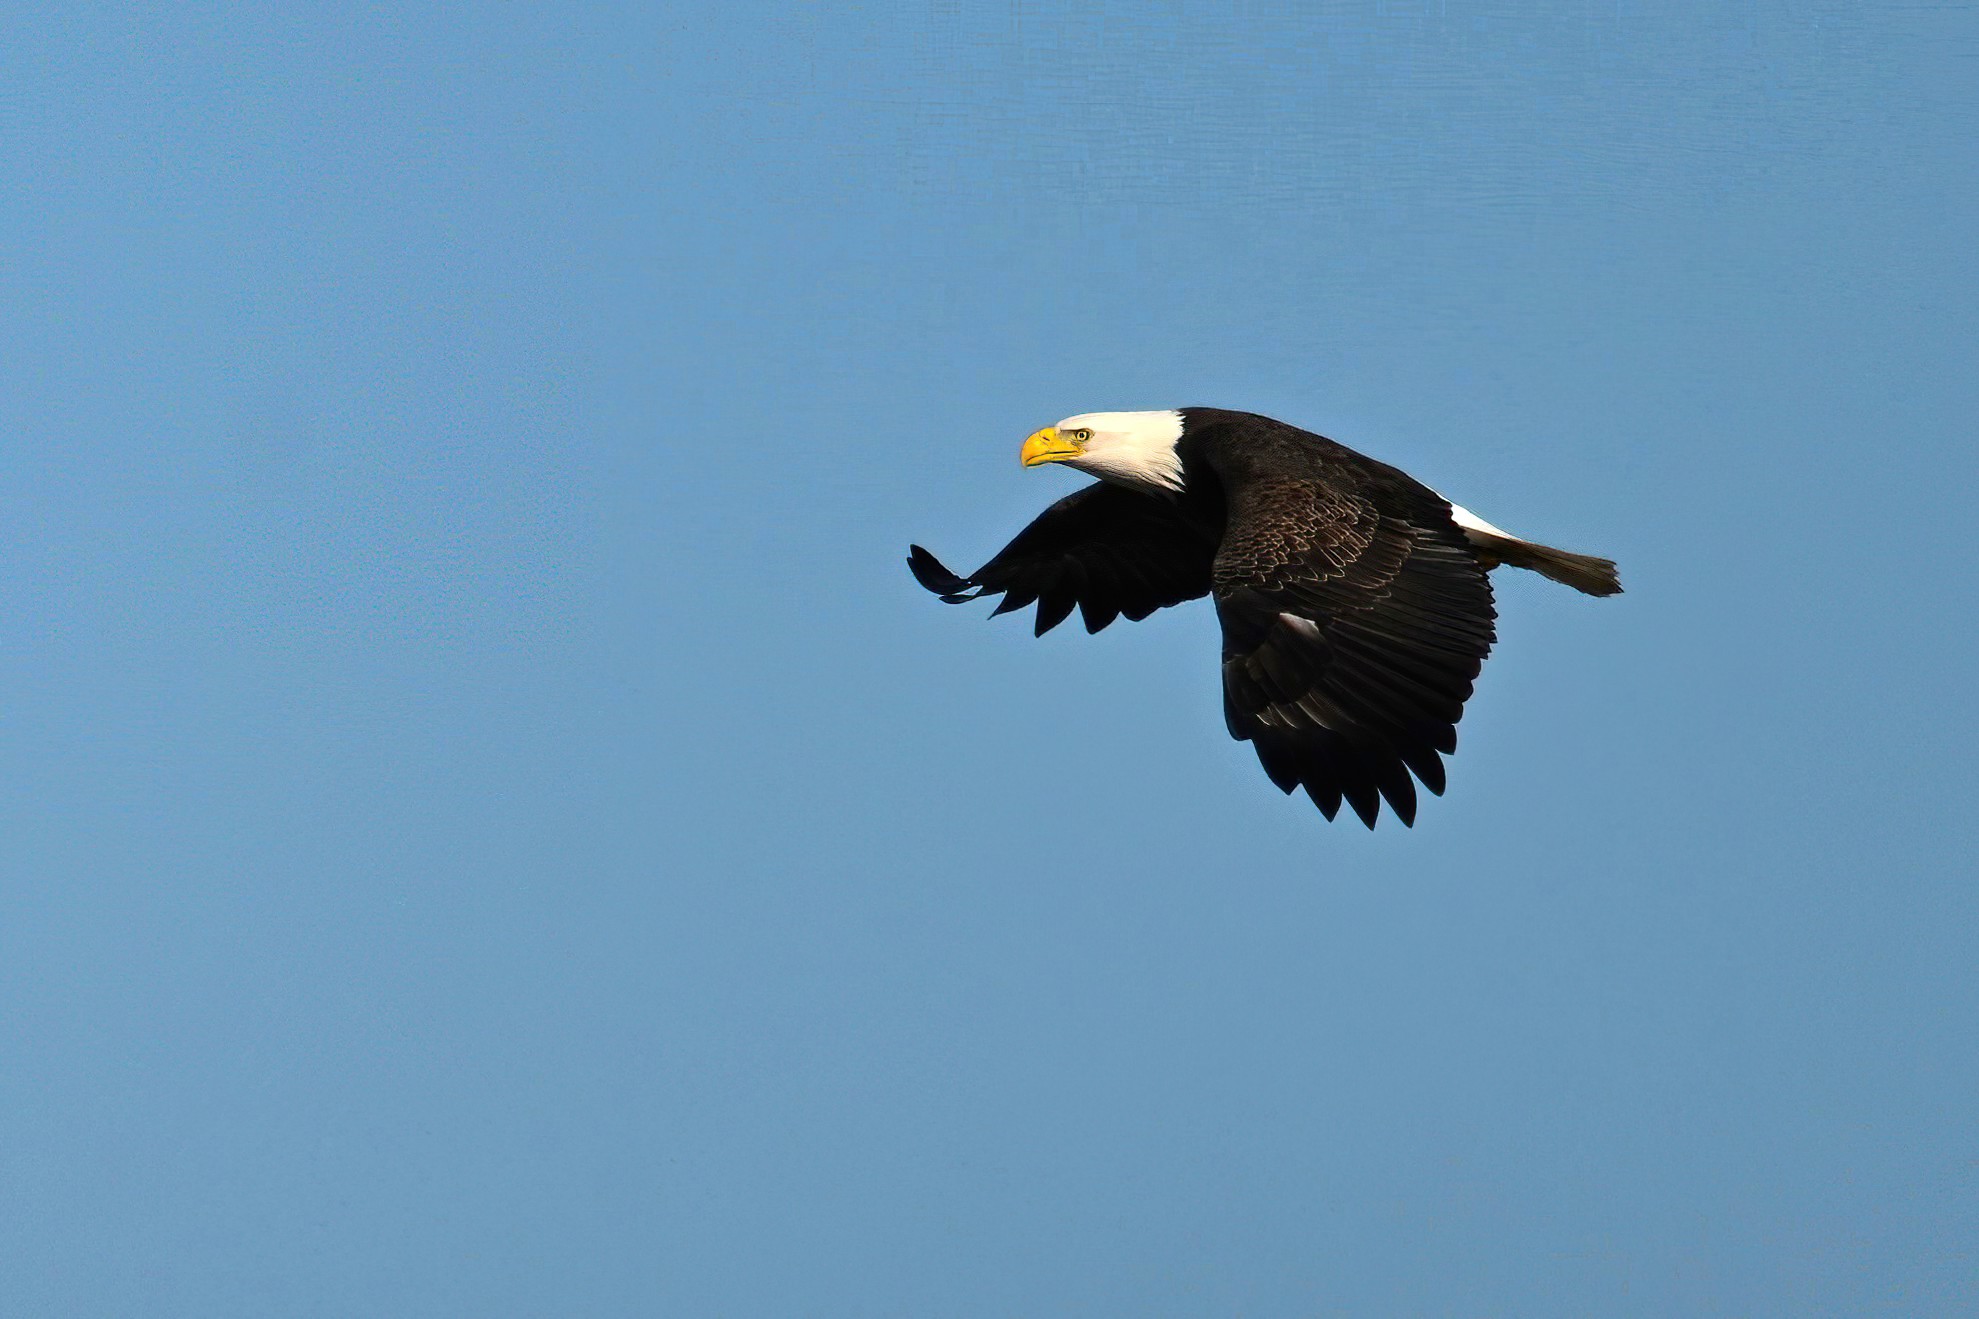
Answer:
(1355, 608)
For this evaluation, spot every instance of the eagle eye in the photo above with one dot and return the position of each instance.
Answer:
(1082, 434)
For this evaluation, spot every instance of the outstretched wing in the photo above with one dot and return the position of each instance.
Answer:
(1108, 551)
(1355, 620)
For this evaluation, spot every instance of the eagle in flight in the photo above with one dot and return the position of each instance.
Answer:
(1354, 600)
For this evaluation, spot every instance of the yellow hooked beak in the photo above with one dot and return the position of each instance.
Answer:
(1048, 446)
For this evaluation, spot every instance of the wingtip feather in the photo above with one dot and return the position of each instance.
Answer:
(935, 576)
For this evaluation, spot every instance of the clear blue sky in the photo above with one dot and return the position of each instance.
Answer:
(491, 828)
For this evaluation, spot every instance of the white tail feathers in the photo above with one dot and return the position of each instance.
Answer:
(1583, 572)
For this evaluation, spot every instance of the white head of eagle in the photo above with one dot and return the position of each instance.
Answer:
(1134, 449)
(1354, 603)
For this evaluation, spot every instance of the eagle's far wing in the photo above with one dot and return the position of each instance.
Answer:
(1355, 620)
(1110, 552)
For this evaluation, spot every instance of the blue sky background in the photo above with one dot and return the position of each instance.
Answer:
(491, 828)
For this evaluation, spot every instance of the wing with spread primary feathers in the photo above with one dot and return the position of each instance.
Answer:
(1109, 552)
(1355, 620)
